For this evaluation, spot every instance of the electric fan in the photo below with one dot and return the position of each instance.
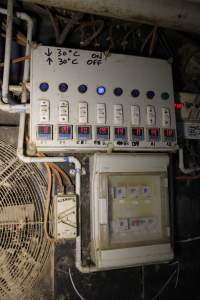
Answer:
(23, 246)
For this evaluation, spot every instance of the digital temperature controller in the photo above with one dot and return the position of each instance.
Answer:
(137, 134)
(102, 133)
(84, 132)
(65, 132)
(44, 132)
(120, 133)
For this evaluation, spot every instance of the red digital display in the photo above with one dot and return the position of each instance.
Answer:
(65, 129)
(102, 131)
(169, 133)
(138, 132)
(46, 129)
(120, 133)
(44, 132)
(154, 132)
(83, 130)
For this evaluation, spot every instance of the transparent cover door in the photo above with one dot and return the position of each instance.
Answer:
(137, 209)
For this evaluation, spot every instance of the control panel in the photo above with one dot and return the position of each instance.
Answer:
(87, 101)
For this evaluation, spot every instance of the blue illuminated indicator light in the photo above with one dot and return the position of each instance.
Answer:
(44, 86)
(101, 90)
(63, 87)
(82, 88)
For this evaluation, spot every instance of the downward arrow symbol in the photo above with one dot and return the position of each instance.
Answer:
(48, 53)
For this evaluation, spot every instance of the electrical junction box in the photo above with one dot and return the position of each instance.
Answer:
(65, 216)
(89, 101)
(129, 210)
(188, 115)
(187, 107)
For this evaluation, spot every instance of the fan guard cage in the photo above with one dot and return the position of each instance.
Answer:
(23, 246)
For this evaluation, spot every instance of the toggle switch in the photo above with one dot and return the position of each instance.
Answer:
(151, 115)
(63, 111)
(83, 112)
(135, 115)
(118, 114)
(166, 120)
(101, 113)
(44, 111)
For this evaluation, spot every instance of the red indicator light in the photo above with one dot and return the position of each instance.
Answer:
(178, 105)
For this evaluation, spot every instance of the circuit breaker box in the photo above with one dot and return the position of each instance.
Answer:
(129, 210)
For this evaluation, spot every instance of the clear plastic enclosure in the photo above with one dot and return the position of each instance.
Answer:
(137, 209)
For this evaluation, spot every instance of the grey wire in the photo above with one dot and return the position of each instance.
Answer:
(75, 289)
(196, 238)
(68, 27)
(99, 23)
(177, 277)
(164, 285)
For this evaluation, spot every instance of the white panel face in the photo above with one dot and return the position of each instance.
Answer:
(97, 102)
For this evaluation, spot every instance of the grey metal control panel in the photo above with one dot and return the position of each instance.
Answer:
(87, 101)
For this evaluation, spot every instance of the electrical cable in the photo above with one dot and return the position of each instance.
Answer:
(54, 23)
(17, 60)
(48, 201)
(62, 173)
(75, 289)
(65, 175)
(58, 177)
(189, 240)
(165, 285)
(188, 177)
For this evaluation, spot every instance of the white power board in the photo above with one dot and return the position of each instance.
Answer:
(87, 101)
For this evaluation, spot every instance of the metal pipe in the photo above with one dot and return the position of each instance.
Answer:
(181, 164)
(179, 14)
(6, 70)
